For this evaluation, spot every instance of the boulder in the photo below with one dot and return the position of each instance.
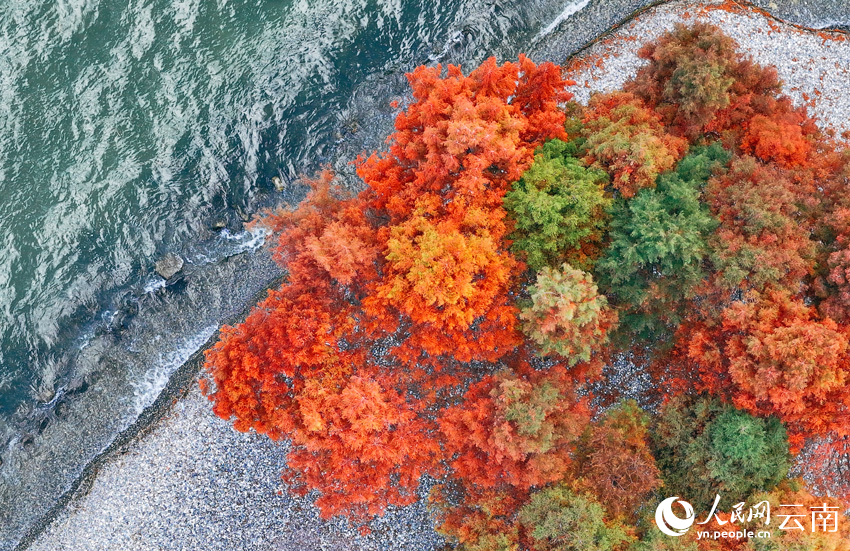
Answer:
(168, 266)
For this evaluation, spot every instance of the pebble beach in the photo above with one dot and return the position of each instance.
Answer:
(814, 66)
(190, 482)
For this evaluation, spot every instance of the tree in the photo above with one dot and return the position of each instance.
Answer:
(440, 186)
(762, 238)
(566, 315)
(442, 276)
(655, 261)
(777, 139)
(512, 430)
(697, 81)
(627, 139)
(298, 367)
(691, 75)
(558, 207)
(327, 239)
(283, 373)
(705, 448)
(558, 519)
(466, 138)
(616, 464)
(361, 446)
(774, 356)
(256, 367)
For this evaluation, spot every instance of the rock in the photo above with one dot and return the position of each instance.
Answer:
(351, 126)
(169, 265)
(44, 392)
(242, 214)
(76, 385)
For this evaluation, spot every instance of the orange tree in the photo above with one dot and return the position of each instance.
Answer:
(392, 294)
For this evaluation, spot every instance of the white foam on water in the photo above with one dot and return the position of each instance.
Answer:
(248, 240)
(228, 244)
(148, 388)
(154, 285)
(201, 259)
(570, 10)
(71, 16)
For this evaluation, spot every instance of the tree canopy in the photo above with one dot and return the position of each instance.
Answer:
(705, 448)
(559, 209)
(559, 314)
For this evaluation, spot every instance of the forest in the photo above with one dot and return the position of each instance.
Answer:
(461, 327)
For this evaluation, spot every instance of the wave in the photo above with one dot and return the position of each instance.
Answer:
(569, 11)
(151, 384)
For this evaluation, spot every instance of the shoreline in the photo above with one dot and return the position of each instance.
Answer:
(183, 381)
(739, 6)
(179, 385)
(808, 77)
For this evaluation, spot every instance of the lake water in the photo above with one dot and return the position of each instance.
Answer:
(130, 129)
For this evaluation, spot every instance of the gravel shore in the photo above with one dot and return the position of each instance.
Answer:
(814, 66)
(193, 483)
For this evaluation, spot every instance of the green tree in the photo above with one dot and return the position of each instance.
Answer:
(704, 448)
(558, 207)
(567, 315)
(659, 243)
(558, 519)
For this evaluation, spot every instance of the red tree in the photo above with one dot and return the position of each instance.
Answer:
(772, 355)
(628, 140)
(763, 237)
(777, 139)
(363, 446)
